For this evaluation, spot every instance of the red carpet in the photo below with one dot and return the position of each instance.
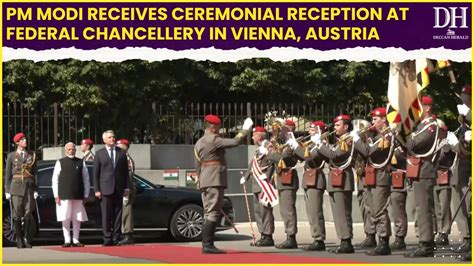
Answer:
(183, 254)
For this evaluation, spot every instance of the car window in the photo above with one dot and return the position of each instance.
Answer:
(45, 177)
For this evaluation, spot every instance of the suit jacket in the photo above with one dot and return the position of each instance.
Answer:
(108, 179)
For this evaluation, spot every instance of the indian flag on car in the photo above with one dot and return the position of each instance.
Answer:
(170, 174)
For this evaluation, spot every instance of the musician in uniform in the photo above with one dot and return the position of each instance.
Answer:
(314, 184)
(287, 184)
(20, 189)
(211, 168)
(421, 168)
(463, 170)
(86, 148)
(341, 180)
(377, 178)
(261, 170)
(442, 189)
(127, 209)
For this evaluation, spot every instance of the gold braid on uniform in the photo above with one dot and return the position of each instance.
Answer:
(27, 167)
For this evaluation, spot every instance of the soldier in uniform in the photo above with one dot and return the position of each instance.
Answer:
(262, 171)
(341, 180)
(287, 184)
(127, 209)
(462, 174)
(398, 197)
(86, 148)
(20, 189)
(314, 184)
(209, 153)
(421, 148)
(377, 178)
(442, 189)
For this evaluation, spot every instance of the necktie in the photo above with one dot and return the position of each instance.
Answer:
(22, 157)
(112, 156)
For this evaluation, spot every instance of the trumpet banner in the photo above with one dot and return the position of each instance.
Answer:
(406, 80)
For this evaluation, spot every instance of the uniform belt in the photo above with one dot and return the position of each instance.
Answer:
(213, 162)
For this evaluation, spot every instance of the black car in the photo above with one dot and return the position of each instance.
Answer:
(177, 211)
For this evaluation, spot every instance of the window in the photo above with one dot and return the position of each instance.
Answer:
(45, 177)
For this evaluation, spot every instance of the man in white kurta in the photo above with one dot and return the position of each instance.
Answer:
(71, 188)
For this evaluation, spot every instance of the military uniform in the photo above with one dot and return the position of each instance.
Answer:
(314, 185)
(87, 144)
(263, 213)
(127, 209)
(340, 187)
(88, 157)
(211, 169)
(21, 184)
(422, 144)
(287, 193)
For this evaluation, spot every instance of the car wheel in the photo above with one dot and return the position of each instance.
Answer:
(8, 233)
(186, 223)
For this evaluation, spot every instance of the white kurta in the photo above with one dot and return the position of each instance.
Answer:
(70, 209)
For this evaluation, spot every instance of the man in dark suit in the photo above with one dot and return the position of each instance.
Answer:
(111, 185)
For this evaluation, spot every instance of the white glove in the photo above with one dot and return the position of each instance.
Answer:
(262, 177)
(35, 195)
(8, 196)
(248, 123)
(243, 180)
(463, 109)
(262, 150)
(452, 139)
(355, 135)
(125, 200)
(468, 136)
(293, 143)
(316, 139)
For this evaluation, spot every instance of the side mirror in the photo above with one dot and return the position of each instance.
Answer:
(139, 188)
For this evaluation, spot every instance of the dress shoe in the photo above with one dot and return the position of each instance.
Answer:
(19, 243)
(317, 245)
(344, 248)
(442, 240)
(66, 245)
(211, 249)
(77, 245)
(369, 242)
(289, 243)
(424, 249)
(127, 240)
(264, 241)
(399, 243)
(382, 249)
(464, 247)
(26, 243)
(465, 257)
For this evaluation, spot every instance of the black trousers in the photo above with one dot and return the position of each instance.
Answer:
(111, 208)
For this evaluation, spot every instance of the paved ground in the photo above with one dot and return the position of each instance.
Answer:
(230, 240)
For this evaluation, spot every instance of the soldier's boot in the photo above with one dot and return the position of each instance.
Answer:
(28, 230)
(208, 232)
(465, 257)
(289, 243)
(442, 240)
(18, 233)
(344, 248)
(399, 243)
(264, 241)
(369, 242)
(464, 247)
(317, 245)
(424, 249)
(382, 248)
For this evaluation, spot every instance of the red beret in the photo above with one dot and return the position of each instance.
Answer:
(342, 117)
(426, 100)
(18, 137)
(212, 119)
(289, 122)
(123, 141)
(87, 141)
(466, 89)
(259, 129)
(319, 124)
(382, 112)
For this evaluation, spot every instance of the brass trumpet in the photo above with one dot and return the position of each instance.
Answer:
(324, 135)
(348, 137)
(298, 139)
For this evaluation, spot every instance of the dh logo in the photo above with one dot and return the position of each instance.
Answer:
(450, 16)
